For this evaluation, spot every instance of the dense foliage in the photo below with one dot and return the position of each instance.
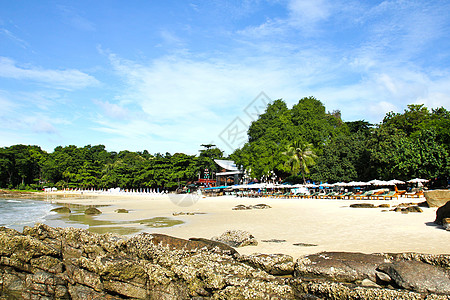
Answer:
(94, 167)
(405, 145)
(304, 142)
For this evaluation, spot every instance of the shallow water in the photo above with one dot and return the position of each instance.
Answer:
(16, 213)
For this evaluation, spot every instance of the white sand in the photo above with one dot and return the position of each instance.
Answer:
(330, 224)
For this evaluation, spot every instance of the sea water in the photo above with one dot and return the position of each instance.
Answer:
(17, 213)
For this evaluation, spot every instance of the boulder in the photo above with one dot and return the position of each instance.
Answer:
(418, 276)
(442, 213)
(92, 211)
(236, 238)
(275, 264)
(121, 211)
(414, 208)
(62, 210)
(437, 198)
(340, 266)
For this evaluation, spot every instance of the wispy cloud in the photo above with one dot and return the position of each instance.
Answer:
(22, 43)
(59, 79)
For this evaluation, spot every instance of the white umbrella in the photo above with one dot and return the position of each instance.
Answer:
(379, 182)
(326, 185)
(395, 182)
(417, 180)
(340, 184)
(357, 183)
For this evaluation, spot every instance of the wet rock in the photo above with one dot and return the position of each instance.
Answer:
(92, 211)
(62, 210)
(210, 244)
(236, 238)
(121, 211)
(384, 205)
(417, 276)
(362, 205)
(275, 264)
(340, 266)
(442, 213)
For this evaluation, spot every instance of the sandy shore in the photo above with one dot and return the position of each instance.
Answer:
(330, 224)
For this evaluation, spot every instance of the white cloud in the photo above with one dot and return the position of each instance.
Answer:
(59, 79)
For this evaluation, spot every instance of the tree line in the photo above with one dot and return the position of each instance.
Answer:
(30, 167)
(302, 143)
(415, 143)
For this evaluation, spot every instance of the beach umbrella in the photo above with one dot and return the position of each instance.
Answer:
(378, 182)
(326, 185)
(395, 182)
(270, 186)
(339, 184)
(418, 180)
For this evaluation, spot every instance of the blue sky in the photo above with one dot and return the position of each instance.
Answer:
(167, 76)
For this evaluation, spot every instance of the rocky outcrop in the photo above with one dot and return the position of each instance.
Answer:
(56, 263)
(437, 198)
(442, 213)
(236, 238)
(275, 264)
(43, 262)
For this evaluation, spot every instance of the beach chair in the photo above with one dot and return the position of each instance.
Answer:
(390, 195)
(378, 195)
(364, 195)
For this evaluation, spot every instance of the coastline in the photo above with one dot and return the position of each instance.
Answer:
(330, 224)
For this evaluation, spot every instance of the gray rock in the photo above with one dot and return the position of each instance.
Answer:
(275, 264)
(236, 238)
(121, 211)
(340, 266)
(418, 276)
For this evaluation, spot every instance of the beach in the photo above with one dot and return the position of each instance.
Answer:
(291, 226)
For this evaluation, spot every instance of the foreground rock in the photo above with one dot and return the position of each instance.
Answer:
(70, 263)
(236, 238)
(48, 263)
(275, 264)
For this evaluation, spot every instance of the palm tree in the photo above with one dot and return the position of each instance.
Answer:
(300, 156)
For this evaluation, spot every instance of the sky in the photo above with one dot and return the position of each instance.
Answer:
(168, 76)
